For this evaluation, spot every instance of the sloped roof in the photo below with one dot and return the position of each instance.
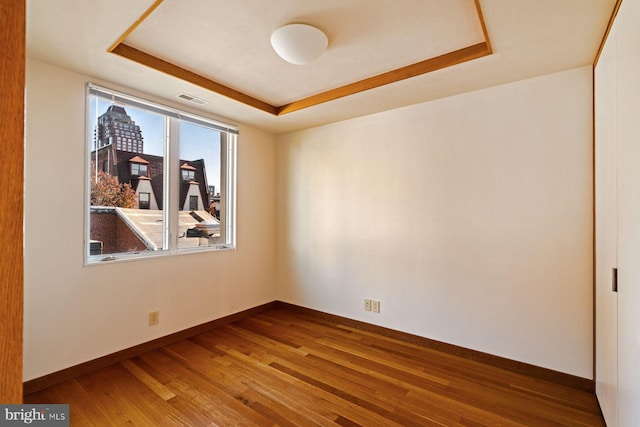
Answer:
(147, 224)
(138, 159)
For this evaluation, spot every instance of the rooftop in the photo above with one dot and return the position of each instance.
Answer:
(147, 224)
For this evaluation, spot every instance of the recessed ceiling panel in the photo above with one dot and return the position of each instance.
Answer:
(228, 41)
(529, 38)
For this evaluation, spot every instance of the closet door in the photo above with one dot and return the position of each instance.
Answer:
(628, 136)
(606, 299)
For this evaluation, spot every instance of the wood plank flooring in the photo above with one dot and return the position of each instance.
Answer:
(284, 368)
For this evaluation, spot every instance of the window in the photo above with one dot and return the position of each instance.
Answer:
(188, 175)
(170, 163)
(193, 203)
(143, 200)
(138, 169)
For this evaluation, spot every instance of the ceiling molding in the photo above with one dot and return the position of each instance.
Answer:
(426, 66)
(166, 67)
(135, 25)
(482, 24)
(439, 62)
(616, 8)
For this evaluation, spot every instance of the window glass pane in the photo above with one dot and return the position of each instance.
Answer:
(143, 200)
(193, 202)
(126, 192)
(200, 186)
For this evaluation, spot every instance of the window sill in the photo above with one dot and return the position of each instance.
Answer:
(149, 255)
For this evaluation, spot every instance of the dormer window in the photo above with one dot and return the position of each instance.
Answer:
(143, 200)
(138, 169)
(139, 166)
(188, 175)
(188, 172)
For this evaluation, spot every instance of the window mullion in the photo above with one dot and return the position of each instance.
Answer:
(230, 185)
(172, 180)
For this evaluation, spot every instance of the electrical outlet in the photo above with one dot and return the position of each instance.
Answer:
(367, 305)
(154, 318)
(375, 306)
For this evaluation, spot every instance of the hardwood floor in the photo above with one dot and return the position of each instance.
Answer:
(284, 368)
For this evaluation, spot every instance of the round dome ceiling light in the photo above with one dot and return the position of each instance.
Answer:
(299, 43)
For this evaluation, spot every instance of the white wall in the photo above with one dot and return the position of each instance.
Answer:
(75, 313)
(469, 218)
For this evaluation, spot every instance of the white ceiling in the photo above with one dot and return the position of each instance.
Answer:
(228, 42)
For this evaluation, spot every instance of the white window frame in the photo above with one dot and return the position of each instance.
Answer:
(187, 175)
(139, 167)
(172, 177)
(148, 201)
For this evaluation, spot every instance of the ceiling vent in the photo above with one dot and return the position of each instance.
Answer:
(192, 99)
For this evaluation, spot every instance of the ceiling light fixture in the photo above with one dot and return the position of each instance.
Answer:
(299, 43)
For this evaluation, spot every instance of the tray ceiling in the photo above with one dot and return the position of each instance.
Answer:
(381, 54)
(227, 43)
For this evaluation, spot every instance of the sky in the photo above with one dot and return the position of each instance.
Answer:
(196, 142)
